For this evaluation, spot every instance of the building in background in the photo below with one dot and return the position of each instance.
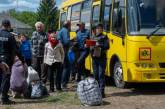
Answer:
(18, 27)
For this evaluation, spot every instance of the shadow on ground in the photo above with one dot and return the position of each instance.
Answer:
(143, 89)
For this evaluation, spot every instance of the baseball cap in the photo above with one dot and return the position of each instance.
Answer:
(6, 22)
(80, 23)
(100, 25)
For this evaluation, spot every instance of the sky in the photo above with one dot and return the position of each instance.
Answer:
(23, 5)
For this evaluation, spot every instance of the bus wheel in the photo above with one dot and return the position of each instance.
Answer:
(118, 75)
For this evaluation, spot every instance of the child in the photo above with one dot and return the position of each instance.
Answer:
(54, 57)
(98, 53)
(18, 83)
(25, 49)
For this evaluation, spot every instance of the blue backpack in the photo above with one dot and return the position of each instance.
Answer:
(71, 56)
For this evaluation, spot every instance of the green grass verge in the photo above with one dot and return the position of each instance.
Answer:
(63, 97)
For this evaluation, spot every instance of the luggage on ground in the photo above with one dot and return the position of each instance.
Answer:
(32, 75)
(88, 92)
(38, 90)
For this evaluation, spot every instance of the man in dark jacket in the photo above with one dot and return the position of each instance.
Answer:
(64, 38)
(99, 57)
(39, 38)
(82, 35)
(8, 52)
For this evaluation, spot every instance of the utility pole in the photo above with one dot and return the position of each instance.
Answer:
(17, 10)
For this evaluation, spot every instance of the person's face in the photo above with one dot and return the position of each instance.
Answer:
(22, 38)
(39, 28)
(99, 30)
(81, 27)
(53, 36)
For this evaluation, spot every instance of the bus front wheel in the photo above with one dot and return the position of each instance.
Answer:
(118, 75)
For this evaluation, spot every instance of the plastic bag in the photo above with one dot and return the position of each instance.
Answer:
(32, 75)
(38, 90)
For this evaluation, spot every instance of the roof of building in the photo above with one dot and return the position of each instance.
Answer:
(14, 22)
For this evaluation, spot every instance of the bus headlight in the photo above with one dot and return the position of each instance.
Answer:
(137, 64)
(145, 65)
(151, 65)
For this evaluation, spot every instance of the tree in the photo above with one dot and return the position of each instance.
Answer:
(26, 17)
(48, 14)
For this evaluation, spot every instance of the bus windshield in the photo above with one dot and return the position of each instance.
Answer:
(144, 16)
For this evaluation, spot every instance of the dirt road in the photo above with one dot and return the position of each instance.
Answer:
(142, 97)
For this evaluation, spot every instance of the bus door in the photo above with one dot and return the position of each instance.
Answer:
(95, 19)
(118, 42)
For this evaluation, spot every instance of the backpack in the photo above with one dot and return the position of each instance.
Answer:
(38, 90)
(89, 93)
(71, 56)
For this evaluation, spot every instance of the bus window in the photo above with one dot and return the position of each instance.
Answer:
(63, 19)
(75, 17)
(144, 16)
(69, 13)
(118, 23)
(96, 15)
(85, 13)
(107, 13)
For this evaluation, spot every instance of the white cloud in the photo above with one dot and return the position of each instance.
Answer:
(22, 5)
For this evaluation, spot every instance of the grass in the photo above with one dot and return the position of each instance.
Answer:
(63, 97)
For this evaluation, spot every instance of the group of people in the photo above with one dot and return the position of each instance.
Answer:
(47, 53)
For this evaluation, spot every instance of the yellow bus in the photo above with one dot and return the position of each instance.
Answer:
(136, 32)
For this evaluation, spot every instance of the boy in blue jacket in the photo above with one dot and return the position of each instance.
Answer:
(25, 49)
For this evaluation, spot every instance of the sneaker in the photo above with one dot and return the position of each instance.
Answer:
(59, 90)
(64, 86)
(8, 102)
(51, 91)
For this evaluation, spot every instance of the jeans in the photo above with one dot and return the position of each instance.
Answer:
(28, 62)
(44, 73)
(55, 68)
(99, 66)
(66, 71)
(5, 85)
(81, 65)
(37, 64)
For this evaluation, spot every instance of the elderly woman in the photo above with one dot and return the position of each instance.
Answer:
(39, 38)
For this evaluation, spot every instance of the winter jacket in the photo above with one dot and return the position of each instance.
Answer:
(18, 77)
(53, 55)
(25, 49)
(8, 48)
(81, 37)
(38, 42)
(103, 44)
(64, 37)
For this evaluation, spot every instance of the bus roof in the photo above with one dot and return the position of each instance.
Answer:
(69, 2)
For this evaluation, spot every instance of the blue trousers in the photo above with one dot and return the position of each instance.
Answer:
(5, 85)
(81, 65)
(66, 71)
(99, 66)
